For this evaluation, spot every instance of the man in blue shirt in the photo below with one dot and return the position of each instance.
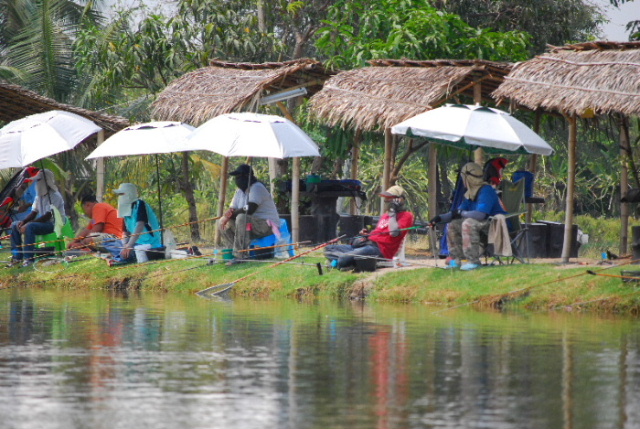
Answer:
(471, 219)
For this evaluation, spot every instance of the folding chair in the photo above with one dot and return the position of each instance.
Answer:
(54, 242)
(514, 203)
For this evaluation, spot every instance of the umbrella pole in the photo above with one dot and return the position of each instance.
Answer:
(159, 199)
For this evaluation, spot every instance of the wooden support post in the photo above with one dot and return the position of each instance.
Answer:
(295, 199)
(478, 154)
(533, 165)
(625, 151)
(571, 181)
(100, 171)
(355, 164)
(433, 181)
(224, 180)
(386, 171)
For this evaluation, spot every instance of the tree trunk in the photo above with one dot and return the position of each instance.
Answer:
(187, 189)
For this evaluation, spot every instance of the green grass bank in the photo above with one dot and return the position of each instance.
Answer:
(548, 286)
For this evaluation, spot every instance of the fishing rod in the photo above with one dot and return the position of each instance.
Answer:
(221, 288)
(138, 234)
(593, 273)
(207, 255)
(529, 288)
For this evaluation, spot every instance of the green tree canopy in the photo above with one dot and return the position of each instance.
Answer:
(550, 22)
(357, 31)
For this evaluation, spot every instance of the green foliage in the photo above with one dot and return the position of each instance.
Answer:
(129, 61)
(357, 31)
(550, 22)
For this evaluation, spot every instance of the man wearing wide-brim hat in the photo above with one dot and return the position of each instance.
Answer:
(384, 241)
(252, 214)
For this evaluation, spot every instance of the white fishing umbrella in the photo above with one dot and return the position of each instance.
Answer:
(470, 127)
(145, 139)
(150, 138)
(26, 140)
(254, 135)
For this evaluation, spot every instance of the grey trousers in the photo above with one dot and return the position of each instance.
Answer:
(464, 237)
(236, 236)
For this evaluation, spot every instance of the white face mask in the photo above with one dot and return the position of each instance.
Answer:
(126, 199)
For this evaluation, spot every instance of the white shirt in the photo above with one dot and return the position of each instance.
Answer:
(43, 205)
(259, 195)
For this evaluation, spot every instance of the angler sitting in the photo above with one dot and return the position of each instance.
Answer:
(40, 221)
(105, 230)
(471, 219)
(384, 241)
(141, 224)
(252, 214)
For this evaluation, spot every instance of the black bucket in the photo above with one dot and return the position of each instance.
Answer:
(364, 264)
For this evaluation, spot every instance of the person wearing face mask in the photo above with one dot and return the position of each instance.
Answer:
(471, 219)
(252, 214)
(384, 241)
(40, 221)
(141, 223)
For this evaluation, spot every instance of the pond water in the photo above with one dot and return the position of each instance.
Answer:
(96, 359)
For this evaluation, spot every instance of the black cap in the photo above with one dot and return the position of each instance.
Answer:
(242, 170)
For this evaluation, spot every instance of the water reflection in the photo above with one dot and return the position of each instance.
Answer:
(71, 359)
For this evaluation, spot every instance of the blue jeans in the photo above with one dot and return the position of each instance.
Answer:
(345, 253)
(33, 229)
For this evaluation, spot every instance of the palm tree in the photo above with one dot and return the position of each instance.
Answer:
(36, 40)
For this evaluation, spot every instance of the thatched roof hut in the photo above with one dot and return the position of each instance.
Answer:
(391, 91)
(582, 79)
(17, 102)
(233, 87)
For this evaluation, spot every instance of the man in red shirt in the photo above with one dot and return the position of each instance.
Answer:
(384, 241)
(104, 231)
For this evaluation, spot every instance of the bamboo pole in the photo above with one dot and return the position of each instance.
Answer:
(224, 179)
(100, 171)
(625, 151)
(571, 179)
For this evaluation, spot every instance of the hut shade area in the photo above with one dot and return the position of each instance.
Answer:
(233, 87)
(17, 102)
(391, 91)
(581, 79)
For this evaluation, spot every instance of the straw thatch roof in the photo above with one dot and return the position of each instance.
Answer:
(394, 90)
(17, 102)
(582, 79)
(232, 87)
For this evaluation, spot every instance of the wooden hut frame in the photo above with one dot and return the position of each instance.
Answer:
(378, 97)
(17, 102)
(226, 87)
(581, 80)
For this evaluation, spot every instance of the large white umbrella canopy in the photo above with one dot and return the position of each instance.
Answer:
(145, 139)
(24, 141)
(252, 135)
(469, 127)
